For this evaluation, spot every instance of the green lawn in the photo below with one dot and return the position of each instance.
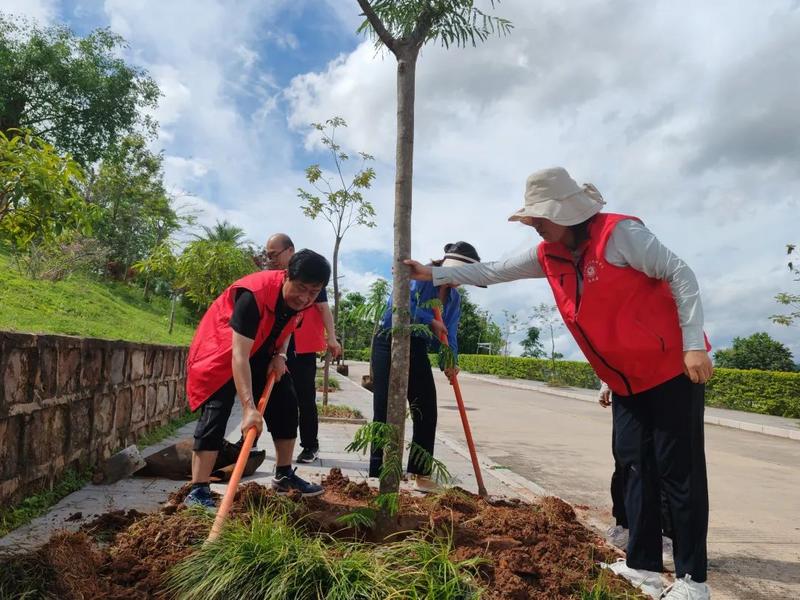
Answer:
(85, 307)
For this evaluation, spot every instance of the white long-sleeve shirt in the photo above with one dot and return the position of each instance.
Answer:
(631, 245)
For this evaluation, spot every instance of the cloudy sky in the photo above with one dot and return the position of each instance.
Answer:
(685, 114)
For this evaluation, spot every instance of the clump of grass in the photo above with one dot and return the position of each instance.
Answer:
(26, 577)
(164, 431)
(333, 383)
(268, 557)
(37, 504)
(339, 411)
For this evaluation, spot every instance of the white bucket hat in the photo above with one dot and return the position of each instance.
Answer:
(553, 195)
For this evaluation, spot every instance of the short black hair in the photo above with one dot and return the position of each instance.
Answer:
(309, 267)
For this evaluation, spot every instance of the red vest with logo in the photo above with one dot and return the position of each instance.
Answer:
(625, 322)
(209, 361)
(309, 336)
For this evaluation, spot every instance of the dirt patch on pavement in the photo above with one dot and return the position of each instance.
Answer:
(533, 551)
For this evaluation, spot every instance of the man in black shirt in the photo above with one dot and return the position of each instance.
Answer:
(256, 311)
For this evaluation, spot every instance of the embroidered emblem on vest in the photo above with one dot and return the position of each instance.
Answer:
(591, 272)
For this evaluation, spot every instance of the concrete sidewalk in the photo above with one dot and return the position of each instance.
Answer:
(734, 419)
(147, 494)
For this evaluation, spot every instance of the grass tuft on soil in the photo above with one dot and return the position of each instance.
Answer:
(338, 411)
(269, 557)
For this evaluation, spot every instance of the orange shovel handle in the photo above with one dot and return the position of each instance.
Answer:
(437, 314)
(244, 454)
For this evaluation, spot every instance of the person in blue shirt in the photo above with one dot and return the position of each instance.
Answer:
(421, 387)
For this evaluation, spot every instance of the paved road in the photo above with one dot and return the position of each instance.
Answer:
(564, 445)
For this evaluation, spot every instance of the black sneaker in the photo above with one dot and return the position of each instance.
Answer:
(286, 483)
(307, 456)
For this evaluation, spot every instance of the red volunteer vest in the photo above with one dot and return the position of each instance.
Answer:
(625, 322)
(209, 361)
(309, 336)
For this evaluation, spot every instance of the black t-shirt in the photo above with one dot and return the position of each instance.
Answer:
(246, 319)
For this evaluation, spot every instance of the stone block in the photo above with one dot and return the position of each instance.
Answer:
(10, 443)
(92, 367)
(169, 361)
(116, 369)
(158, 364)
(47, 375)
(18, 376)
(69, 369)
(37, 439)
(103, 416)
(80, 425)
(139, 406)
(137, 365)
(162, 400)
(151, 395)
(59, 433)
(122, 412)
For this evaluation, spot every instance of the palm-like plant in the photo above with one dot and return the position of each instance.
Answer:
(223, 231)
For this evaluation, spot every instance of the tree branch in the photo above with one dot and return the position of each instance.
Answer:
(377, 26)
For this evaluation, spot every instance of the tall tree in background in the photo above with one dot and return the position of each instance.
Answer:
(404, 26)
(138, 216)
(222, 231)
(532, 344)
(476, 327)
(787, 298)
(75, 92)
(338, 199)
(550, 319)
(759, 351)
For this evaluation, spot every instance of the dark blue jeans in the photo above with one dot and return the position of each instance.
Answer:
(421, 397)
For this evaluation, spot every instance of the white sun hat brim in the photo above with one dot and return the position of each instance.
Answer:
(553, 195)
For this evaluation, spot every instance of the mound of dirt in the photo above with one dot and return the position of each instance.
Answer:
(533, 551)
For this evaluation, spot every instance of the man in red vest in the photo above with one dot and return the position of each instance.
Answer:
(241, 339)
(634, 309)
(308, 339)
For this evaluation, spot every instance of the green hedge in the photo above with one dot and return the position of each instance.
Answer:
(764, 392)
(567, 372)
(357, 354)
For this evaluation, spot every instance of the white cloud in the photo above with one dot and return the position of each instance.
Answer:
(43, 11)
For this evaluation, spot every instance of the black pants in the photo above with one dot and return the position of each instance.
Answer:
(659, 439)
(421, 398)
(618, 480)
(303, 368)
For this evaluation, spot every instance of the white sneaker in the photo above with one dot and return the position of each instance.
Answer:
(666, 549)
(686, 589)
(426, 485)
(647, 581)
(617, 536)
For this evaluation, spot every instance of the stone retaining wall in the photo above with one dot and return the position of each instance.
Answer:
(70, 402)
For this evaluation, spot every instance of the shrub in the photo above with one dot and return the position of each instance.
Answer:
(765, 392)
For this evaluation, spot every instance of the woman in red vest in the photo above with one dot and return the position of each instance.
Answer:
(634, 309)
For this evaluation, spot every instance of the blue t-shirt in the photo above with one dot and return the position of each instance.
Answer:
(421, 293)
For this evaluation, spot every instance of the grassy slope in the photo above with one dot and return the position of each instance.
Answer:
(85, 307)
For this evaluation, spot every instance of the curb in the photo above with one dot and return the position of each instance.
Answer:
(771, 430)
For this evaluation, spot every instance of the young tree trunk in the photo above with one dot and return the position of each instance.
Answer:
(401, 344)
(172, 313)
(327, 369)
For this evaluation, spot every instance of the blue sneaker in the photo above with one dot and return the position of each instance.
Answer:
(200, 496)
(286, 483)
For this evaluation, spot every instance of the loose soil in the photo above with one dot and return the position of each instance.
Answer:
(534, 551)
